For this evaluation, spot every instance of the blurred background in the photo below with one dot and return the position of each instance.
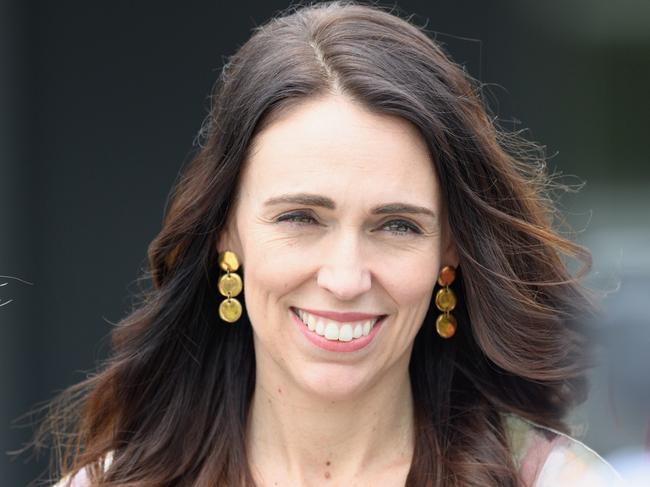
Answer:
(100, 103)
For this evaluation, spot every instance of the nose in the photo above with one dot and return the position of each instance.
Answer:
(344, 272)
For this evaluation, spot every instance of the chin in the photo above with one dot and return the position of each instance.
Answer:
(334, 382)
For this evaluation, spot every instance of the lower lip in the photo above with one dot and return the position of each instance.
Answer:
(335, 345)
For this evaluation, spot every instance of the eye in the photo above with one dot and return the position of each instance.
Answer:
(401, 228)
(297, 217)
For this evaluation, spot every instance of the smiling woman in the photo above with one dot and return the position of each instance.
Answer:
(357, 283)
(322, 225)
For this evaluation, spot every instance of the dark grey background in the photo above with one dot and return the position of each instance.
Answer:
(100, 103)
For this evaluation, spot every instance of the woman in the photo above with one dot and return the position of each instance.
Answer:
(406, 317)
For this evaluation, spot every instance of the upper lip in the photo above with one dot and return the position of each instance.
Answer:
(337, 316)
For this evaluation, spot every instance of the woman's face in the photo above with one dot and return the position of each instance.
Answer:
(339, 228)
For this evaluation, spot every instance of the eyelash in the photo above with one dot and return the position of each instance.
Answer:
(299, 217)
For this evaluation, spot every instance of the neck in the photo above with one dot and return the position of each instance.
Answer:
(299, 438)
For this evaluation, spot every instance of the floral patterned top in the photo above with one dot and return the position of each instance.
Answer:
(548, 458)
(545, 458)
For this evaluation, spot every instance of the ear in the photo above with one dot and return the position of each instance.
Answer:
(228, 239)
(449, 254)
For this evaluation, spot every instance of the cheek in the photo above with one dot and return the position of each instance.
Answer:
(273, 273)
(411, 280)
(268, 276)
(274, 264)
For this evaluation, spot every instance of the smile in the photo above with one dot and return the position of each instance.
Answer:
(333, 330)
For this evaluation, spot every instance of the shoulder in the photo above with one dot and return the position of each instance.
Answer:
(81, 478)
(549, 458)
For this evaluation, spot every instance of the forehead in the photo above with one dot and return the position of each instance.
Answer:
(336, 147)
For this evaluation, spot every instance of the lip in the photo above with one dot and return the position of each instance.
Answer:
(337, 346)
(341, 317)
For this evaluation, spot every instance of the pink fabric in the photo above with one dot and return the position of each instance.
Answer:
(535, 457)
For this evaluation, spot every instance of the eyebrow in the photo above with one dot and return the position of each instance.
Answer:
(309, 199)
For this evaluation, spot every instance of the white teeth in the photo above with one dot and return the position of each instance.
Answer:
(345, 333)
(313, 325)
(311, 322)
(335, 330)
(358, 331)
(331, 331)
(366, 327)
(320, 327)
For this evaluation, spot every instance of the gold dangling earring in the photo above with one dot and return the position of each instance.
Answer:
(446, 302)
(230, 285)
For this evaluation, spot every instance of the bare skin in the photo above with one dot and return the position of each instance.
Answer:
(320, 417)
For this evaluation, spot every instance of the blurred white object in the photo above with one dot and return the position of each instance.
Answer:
(633, 465)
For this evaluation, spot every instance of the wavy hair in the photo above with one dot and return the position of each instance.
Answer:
(172, 402)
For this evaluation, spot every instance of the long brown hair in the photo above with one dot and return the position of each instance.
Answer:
(172, 403)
